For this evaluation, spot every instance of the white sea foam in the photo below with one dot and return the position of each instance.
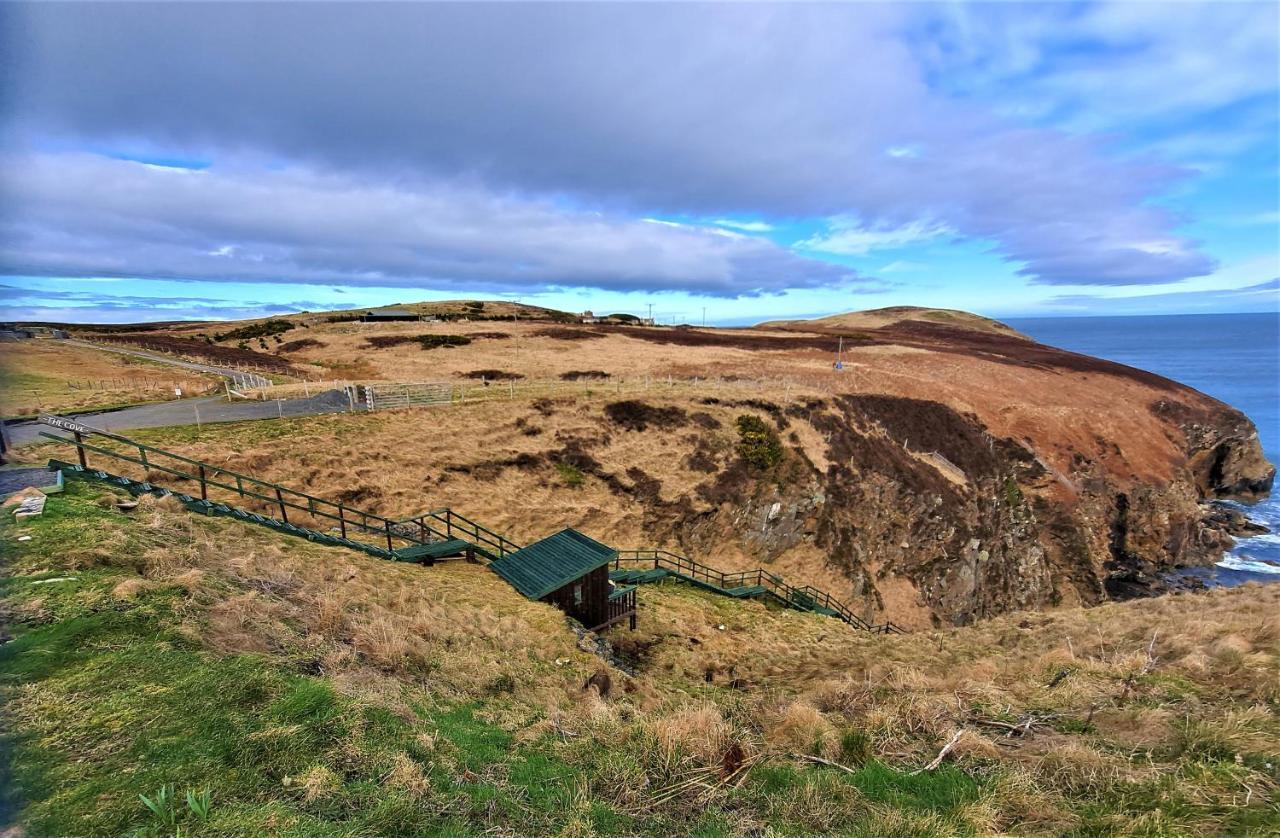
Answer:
(1245, 564)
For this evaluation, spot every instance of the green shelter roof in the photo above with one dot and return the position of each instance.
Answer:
(552, 563)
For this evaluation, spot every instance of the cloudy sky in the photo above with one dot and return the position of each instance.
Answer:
(749, 161)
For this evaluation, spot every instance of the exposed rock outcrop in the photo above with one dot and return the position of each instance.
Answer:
(977, 523)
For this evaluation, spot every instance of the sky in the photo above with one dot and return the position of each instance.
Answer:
(724, 163)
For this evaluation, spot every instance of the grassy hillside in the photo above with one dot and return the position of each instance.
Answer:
(313, 691)
(879, 318)
(49, 375)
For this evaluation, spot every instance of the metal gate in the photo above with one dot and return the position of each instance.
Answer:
(388, 396)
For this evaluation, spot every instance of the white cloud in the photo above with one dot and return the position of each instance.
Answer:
(902, 266)
(745, 226)
(850, 237)
(901, 151)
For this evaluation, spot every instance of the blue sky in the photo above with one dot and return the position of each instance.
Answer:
(749, 161)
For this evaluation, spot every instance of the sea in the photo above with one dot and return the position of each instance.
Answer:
(1232, 357)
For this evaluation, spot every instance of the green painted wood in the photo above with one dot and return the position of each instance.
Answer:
(435, 550)
(552, 563)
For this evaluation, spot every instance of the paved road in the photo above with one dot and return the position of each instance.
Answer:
(238, 378)
(188, 412)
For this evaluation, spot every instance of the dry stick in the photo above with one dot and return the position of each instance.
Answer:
(946, 749)
(821, 761)
(1151, 658)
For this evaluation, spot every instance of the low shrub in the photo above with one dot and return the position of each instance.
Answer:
(492, 375)
(758, 444)
(584, 375)
(635, 415)
(299, 345)
(426, 341)
(571, 475)
(447, 341)
(256, 330)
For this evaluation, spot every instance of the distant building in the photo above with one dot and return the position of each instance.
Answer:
(388, 315)
(646, 321)
(588, 317)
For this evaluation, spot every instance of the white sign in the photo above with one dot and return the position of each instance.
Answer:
(66, 424)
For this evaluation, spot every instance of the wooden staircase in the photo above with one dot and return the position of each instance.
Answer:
(637, 567)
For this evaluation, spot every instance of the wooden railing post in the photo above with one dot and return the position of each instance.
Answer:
(342, 520)
(387, 525)
(204, 485)
(284, 514)
(80, 450)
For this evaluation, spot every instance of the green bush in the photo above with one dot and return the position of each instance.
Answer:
(758, 444)
(257, 330)
(571, 475)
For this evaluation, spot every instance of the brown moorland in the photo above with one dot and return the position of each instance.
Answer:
(946, 474)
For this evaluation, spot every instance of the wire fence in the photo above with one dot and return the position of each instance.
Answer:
(383, 395)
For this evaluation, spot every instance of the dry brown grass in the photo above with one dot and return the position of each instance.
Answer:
(1060, 413)
(909, 692)
(46, 375)
(1180, 690)
(457, 627)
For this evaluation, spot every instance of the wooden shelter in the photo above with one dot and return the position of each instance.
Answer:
(385, 315)
(570, 571)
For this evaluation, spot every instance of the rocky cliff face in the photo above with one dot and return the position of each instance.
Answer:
(979, 524)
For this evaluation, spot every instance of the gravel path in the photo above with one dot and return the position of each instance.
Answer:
(189, 412)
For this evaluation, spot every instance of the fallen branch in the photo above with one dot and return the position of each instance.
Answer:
(946, 749)
(1022, 727)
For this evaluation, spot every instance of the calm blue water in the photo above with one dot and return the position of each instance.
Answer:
(1232, 357)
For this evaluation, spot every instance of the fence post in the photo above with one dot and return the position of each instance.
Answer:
(284, 515)
(387, 525)
(342, 520)
(204, 486)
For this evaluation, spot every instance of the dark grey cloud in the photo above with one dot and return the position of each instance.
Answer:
(764, 111)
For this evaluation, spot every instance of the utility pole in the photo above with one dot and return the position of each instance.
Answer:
(704, 317)
(650, 312)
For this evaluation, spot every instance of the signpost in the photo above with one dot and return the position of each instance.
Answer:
(78, 430)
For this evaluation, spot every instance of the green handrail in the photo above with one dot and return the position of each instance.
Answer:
(804, 599)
